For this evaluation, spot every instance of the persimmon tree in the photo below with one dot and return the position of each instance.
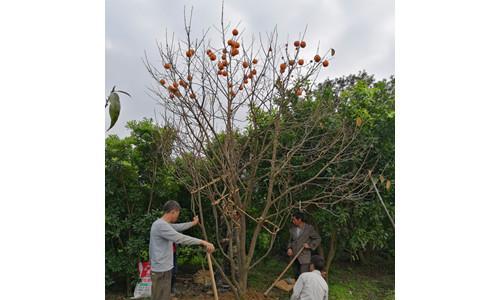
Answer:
(237, 105)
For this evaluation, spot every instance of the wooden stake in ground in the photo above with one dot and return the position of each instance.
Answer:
(212, 276)
(284, 271)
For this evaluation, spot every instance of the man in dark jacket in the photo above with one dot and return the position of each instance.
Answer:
(302, 234)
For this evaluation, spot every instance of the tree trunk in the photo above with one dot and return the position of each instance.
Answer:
(362, 257)
(127, 285)
(321, 250)
(243, 280)
(151, 192)
(332, 247)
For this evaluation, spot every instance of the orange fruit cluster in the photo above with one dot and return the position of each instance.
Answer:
(234, 46)
(301, 44)
(183, 84)
(282, 68)
(173, 89)
(211, 55)
(190, 53)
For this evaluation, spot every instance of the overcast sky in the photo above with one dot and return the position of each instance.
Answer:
(361, 31)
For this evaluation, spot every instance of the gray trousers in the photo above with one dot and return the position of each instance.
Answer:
(160, 285)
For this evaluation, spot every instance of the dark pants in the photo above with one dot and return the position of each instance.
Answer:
(174, 273)
(299, 268)
(160, 285)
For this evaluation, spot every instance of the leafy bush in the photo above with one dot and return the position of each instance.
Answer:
(137, 184)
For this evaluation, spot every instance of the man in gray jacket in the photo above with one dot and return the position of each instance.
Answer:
(302, 234)
(164, 232)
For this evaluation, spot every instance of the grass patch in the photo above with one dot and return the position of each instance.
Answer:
(346, 281)
(361, 282)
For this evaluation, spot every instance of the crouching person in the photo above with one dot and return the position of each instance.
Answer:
(311, 285)
(164, 232)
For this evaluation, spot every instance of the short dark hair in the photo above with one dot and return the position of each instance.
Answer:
(171, 205)
(299, 215)
(318, 261)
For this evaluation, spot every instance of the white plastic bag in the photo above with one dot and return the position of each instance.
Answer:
(143, 288)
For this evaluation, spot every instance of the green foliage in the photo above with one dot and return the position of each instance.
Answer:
(363, 225)
(194, 256)
(139, 179)
(137, 184)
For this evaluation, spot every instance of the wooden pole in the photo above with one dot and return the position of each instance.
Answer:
(212, 276)
(284, 271)
(383, 204)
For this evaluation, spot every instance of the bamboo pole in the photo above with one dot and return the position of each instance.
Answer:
(284, 271)
(383, 204)
(212, 276)
(208, 184)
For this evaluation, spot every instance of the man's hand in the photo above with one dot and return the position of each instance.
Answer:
(196, 221)
(210, 247)
(289, 252)
(306, 246)
(323, 273)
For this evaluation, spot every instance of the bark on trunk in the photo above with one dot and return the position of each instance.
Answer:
(332, 247)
